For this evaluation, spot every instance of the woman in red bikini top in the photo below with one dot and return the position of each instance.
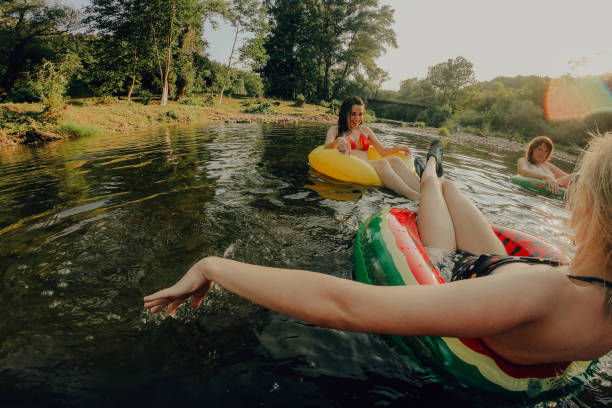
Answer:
(350, 137)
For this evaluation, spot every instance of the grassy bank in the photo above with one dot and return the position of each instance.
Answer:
(24, 122)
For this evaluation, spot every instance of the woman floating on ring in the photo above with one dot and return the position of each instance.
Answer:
(535, 164)
(352, 138)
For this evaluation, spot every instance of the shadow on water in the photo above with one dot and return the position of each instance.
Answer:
(88, 227)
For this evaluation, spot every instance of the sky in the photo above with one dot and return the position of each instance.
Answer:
(500, 37)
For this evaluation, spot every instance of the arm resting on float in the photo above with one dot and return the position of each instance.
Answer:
(455, 309)
(384, 151)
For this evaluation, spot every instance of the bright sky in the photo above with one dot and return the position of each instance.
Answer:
(500, 37)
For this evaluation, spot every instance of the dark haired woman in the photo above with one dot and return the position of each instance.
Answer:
(352, 138)
(535, 164)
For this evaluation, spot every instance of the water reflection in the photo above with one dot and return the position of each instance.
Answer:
(87, 227)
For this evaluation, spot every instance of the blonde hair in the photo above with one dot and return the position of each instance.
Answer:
(537, 142)
(590, 200)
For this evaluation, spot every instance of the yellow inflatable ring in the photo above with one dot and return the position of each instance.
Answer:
(351, 169)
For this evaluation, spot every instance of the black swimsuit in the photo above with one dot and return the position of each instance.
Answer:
(472, 266)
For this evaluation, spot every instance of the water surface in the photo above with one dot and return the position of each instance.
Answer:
(89, 226)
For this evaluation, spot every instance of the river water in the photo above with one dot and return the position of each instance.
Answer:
(89, 226)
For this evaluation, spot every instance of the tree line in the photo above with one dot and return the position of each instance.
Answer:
(314, 50)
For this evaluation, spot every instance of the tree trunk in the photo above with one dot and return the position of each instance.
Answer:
(229, 65)
(129, 95)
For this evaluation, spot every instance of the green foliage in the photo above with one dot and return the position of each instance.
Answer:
(262, 108)
(194, 100)
(78, 130)
(253, 84)
(419, 124)
(317, 48)
(145, 96)
(51, 80)
(15, 122)
(448, 79)
(238, 87)
(370, 116)
(29, 32)
(300, 100)
(443, 131)
(23, 91)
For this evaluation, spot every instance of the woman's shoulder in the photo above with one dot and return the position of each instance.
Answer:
(366, 130)
(333, 130)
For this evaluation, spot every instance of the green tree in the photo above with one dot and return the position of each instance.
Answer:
(448, 79)
(246, 16)
(167, 32)
(51, 80)
(316, 46)
(24, 26)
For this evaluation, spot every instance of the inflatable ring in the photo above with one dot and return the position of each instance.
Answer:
(536, 185)
(336, 165)
(388, 251)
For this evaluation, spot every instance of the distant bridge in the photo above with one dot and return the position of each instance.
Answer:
(412, 105)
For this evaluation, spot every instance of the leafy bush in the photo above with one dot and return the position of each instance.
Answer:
(51, 80)
(370, 116)
(300, 100)
(419, 124)
(192, 101)
(145, 96)
(443, 131)
(77, 129)
(23, 91)
(262, 108)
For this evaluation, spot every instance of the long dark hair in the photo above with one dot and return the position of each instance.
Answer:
(346, 107)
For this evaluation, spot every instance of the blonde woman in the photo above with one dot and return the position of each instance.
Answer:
(538, 312)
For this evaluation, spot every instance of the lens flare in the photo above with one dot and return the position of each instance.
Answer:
(574, 98)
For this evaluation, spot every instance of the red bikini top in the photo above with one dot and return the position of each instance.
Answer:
(364, 144)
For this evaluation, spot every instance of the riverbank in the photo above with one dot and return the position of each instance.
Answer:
(28, 123)
(25, 123)
(494, 143)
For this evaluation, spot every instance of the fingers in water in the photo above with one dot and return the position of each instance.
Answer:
(173, 306)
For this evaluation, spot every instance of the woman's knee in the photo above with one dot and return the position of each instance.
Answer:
(394, 161)
(381, 165)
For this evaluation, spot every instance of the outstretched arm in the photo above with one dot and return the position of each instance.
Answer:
(454, 309)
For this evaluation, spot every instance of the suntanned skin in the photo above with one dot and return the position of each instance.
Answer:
(543, 169)
(393, 172)
(528, 314)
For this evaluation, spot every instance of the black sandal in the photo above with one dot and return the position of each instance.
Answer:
(419, 166)
(435, 150)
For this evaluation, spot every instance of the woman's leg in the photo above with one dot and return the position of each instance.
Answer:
(473, 232)
(406, 174)
(434, 220)
(391, 180)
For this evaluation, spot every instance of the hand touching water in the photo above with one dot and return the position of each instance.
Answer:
(193, 284)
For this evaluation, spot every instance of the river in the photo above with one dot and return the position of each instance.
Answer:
(89, 226)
